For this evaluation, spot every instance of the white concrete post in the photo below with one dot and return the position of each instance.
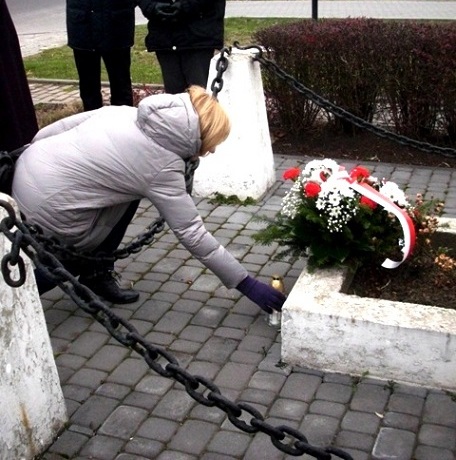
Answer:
(243, 165)
(33, 407)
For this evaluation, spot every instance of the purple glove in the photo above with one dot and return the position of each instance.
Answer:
(265, 296)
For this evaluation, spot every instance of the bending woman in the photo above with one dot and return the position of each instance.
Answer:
(82, 178)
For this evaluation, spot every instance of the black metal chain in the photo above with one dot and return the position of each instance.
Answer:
(202, 390)
(221, 66)
(341, 113)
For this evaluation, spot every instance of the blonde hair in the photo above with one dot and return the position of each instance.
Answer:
(214, 122)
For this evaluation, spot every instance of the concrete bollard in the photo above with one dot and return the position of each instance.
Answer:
(243, 165)
(33, 407)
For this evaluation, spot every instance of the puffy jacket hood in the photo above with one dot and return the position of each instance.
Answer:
(172, 122)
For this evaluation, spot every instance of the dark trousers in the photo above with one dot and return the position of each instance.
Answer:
(117, 63)
(180, 69)
(87, 269)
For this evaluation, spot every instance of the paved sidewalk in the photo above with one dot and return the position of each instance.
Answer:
(119, 409)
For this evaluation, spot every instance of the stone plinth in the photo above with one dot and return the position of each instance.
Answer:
(33, 407)
(325, 329)
(243, 165)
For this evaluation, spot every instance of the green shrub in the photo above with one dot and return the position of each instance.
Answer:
(404, 72)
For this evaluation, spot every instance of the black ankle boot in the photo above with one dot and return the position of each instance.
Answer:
(107, 287)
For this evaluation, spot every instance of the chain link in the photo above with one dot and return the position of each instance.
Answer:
(221, 66)
(23, 240)
(340, 112)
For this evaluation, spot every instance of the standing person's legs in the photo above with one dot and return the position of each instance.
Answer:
(88, 65)
(118, 64)
(195, 65)
(180, 69)
(172, 73)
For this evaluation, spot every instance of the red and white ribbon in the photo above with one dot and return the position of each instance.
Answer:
(408, 228)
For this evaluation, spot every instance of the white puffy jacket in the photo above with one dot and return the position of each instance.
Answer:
(79, 175)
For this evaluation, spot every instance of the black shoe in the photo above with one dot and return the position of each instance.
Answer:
(107, 287)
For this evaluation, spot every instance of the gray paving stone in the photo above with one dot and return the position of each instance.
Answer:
(142, 400)
(88, 377)
(261, 447)
(76, 392)
(102, 447)
(289, 409)
(129, 457)
(262, 397)
(334, 392)
(391, 442)
(174, 455)
(94, 411)
(193, 436)
(108, 358)
(217, 350)
(440, 409)
(158, 429)
(267, 381)
(354, 440)
(405, 403)
(185, 346)
(175, 405)
(129, 372)
(256, 343)
(71, 328)
(319, 429)
(235, 375)
(208, 414)
(123, 422)
(187, 305)
(113, 390)
(68, 444)
(437, 436)
(300, 386)
(237, 321)
(360, 422)
(329, 408)
(432, 453)
(402, 421)
(369, 398)
(143, 448)
(228, 442)
(209, 317)
(71, 361)
(230, 333)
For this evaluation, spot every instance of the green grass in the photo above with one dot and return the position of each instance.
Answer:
(58, 63)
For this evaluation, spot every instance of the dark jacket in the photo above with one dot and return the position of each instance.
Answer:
(100, 25)
(18, 122)
(199, 25)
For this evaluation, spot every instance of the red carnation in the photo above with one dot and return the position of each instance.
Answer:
(359, 173)
(312, 189)
(368, 202)
(292, 173)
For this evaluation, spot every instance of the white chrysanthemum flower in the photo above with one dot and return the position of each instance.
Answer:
(392, 191)
(337, 203)
(314, 168)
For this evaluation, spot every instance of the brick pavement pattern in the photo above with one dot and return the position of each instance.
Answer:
(119, 409)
